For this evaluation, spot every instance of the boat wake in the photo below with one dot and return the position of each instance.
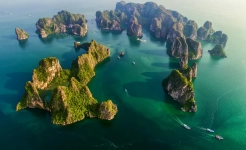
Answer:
(178, 121)
(205, 129)
(217, 100)
(141, 40)
(110, 145)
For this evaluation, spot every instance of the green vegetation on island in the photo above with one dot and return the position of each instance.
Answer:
(63, 22)
(181, 89)
(218, 51)
(73, 102)
(111, 20)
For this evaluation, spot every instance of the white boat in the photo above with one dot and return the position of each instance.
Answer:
(187, 127)
(219, 137)
(133, 63)
(209, 130)
(126, 90)
(118, 57)
(141, 40)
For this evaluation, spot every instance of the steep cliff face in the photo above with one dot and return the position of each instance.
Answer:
(176, 43)
(183, 61)
(79, 30)
(180, 18)
(115, 26)
(21, 34)
(48, 69)
(63, 22)
(204, 31)
(194, 49)
(158, 29)
(218, 38)
(218, 51)
(83, 67)
(42, 33)
(107, 110)
(74, 102)
(134, 28)
(111, 20)
(176, 31)
(194, 70)
(176, 47)
(207, 33)
(31, 99)
(190, 72)
(190, 29)
(181, 89)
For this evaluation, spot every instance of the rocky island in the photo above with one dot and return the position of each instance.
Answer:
(111, 20)
(21, 34)
(71, 99)
(158, 20)
(180, 87)
(218, 51)
(180, 35)
(63, 22)
(178, 44)
(207, 33)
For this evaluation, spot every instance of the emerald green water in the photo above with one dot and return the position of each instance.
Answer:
(148, 118)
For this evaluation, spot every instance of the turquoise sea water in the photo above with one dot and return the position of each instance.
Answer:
(148, 118)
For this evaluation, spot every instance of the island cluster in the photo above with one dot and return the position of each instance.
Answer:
(72, 100)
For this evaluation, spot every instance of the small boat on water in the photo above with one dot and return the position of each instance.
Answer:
(187, 127)
(122, 53)
(118, 57)
(219, 137)
(141, 40)
(126, 90)
(133, 63)
(209, 130)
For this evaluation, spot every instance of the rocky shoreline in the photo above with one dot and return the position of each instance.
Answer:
(70, 103)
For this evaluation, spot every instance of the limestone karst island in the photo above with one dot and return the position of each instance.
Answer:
(180, 35)
(72, 100)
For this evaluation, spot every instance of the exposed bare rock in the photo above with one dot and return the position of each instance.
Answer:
(42, 33)
(183, 61)
(176, 47)
(204, 31)
(21, 34)
(134, 28)
(48, 69)
(31, 99)
(180, 89)
(79, 30)
(190, 29)
(194, 49)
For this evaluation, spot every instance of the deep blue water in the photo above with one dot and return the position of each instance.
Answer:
(148, 118)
